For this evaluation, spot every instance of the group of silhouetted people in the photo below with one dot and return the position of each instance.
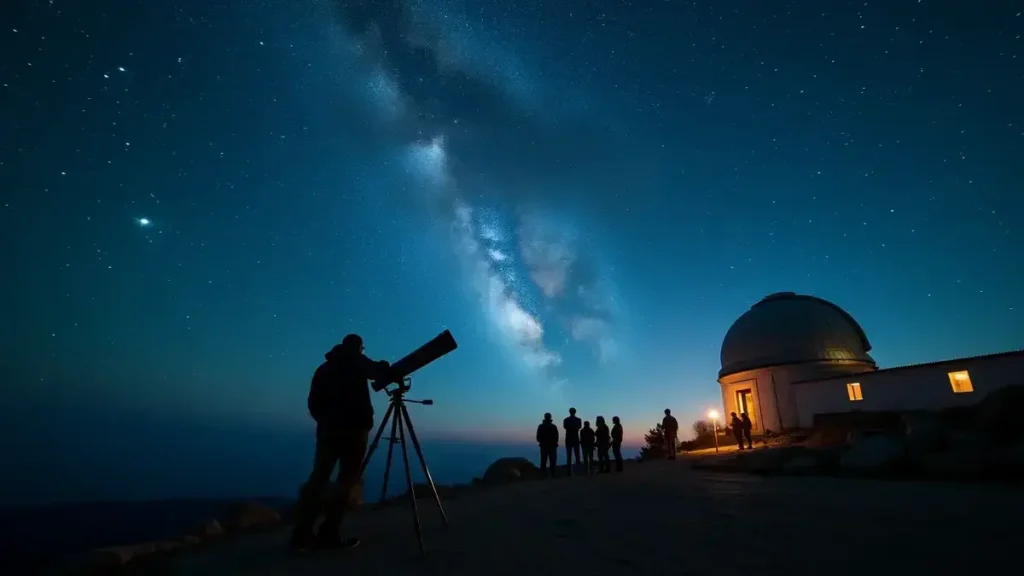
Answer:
(742, 429)
(580, 442)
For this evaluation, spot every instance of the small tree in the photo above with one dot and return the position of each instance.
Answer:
(702, 429)
(655, 447)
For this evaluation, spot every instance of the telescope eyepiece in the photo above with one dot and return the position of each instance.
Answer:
(428, 402)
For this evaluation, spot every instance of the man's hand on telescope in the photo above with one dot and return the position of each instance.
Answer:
(381, 381)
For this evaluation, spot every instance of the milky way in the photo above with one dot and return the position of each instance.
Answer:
(425, 90)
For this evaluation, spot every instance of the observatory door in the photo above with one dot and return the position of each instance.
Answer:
(745, 403)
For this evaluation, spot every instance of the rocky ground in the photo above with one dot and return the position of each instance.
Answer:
(661, 517)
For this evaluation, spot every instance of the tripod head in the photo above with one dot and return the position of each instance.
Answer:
(397, 394)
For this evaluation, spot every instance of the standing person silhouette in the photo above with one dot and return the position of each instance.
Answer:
(339, 402)
(670, 428)
(603, 440)
(737, 428)
(547, 439)
(617, 442)
(748, 428)
(587, 439)
(572, 426)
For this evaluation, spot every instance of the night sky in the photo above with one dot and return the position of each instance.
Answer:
(200, 198)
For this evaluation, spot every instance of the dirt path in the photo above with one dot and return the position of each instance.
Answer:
(663, 518)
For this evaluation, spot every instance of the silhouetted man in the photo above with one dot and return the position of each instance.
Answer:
(748, 429)
(737, 428)
(670, 428)
(587, 441)
(547, 439)
(602, 437)
(572, 426)
(339, 402)
(617, 442)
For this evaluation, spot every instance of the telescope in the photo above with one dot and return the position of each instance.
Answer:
(401, 424)
(437, 347)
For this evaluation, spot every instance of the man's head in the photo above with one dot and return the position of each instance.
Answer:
(733, 414)
(572, 411)
(352, 343)
(615, 419)
(547, 416)
(586, 423)
(668, 412)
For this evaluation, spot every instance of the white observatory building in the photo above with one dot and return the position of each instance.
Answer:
(792, 357)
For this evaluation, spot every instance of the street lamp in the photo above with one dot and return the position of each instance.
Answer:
(713, 416)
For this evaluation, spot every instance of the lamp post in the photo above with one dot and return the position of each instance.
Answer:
(713, 416)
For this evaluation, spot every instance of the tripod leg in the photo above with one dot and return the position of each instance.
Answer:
(376, 440)
(412, 488)
(395, 422)
(423, 463)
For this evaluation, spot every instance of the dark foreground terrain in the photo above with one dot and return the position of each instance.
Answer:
(35, 537)
(664, 518)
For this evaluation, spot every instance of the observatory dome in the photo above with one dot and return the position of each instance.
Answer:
(790, 328)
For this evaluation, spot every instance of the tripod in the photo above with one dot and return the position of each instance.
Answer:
(401, 424)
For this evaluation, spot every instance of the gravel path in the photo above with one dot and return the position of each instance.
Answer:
(662, 518)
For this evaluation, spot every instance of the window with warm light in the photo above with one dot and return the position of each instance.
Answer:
(853, 391)
(961, 382)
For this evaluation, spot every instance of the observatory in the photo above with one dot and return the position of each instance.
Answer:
(792, 357)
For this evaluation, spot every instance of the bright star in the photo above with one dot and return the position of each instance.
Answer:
(143, 222)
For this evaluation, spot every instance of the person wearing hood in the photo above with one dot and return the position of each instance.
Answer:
(339, 402)
(547, 439)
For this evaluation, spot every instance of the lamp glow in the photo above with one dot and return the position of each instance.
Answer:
(713, 414)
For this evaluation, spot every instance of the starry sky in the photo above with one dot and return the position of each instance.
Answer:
(200, 198)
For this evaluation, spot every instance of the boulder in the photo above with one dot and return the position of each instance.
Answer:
(875, 453)
(209, 530)
(996, 415)
(248, 515)
(510, 470)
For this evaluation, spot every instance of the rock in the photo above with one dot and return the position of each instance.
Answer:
(996, 415)
(510, 470)
(872, 454)
(209, 530)
(249, 515)
(189, 540)
(922, 432)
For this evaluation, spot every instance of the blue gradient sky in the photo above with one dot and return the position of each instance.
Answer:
(585, 194)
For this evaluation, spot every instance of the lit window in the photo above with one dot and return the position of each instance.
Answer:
(961, 382)
(853, 391)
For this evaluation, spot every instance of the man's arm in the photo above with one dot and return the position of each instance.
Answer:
(378, 371)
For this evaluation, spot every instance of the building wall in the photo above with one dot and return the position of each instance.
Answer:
(925, 387)
(775, 403)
